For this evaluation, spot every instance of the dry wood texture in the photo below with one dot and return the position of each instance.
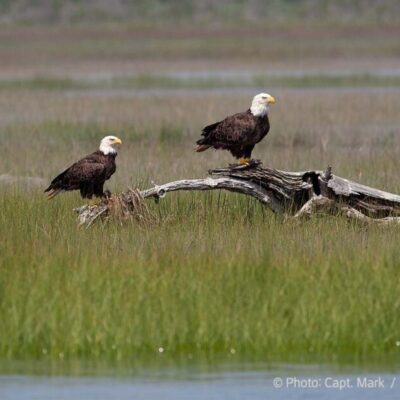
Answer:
(297, 194)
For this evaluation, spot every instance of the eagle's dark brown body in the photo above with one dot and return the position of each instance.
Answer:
(87, 175)
(238, 133)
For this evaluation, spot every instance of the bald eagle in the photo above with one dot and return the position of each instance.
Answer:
(239, 133)
(88, 174)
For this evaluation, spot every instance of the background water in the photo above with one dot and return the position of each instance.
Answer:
(287, 381)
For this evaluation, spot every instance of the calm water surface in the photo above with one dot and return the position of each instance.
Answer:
(276, 382)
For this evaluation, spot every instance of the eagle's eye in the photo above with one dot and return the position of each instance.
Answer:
(264, 97)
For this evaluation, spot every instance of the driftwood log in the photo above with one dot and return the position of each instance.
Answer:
(296, 194)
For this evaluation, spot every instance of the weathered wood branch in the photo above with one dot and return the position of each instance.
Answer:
(298, 194)
(249, 188)
(294, 189)
(323, 205)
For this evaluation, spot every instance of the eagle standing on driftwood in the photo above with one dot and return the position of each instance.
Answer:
(88, 174)
(239, 133)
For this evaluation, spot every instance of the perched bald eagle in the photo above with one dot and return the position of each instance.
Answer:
(239, 133)
(88, 174)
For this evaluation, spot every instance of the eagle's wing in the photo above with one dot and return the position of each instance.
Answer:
(234, 130)
(85, 170)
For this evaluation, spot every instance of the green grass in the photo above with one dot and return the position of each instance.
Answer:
(218, 273)
(219, 278)
(177, 12)
(160, 82)
(41, 83)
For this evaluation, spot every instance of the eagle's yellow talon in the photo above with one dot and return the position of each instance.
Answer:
(244, 161)
(92, 203)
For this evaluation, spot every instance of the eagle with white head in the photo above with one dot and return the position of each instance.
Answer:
(239, 133)
(88, 174)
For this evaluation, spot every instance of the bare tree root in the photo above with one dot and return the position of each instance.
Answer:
(123, 207)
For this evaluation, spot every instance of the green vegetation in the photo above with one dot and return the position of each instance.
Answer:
(181, 11)
(166, 82)
(217, 274)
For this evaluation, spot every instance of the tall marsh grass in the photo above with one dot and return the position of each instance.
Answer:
(218, 275)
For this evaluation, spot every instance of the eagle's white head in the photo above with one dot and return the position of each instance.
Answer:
(108, 145)
(259, 105)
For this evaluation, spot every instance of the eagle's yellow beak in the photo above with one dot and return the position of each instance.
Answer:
(117, 141)
(271, 100)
